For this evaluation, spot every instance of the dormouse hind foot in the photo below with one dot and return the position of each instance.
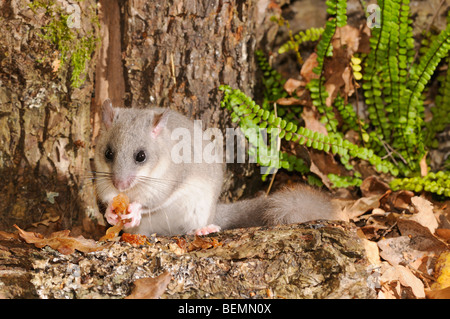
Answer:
(206, 230)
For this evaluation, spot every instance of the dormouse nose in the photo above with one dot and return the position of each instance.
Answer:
(122, 184)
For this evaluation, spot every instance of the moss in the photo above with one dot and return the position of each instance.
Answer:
(73, 48)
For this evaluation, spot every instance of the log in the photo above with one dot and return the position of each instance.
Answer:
(321, 259)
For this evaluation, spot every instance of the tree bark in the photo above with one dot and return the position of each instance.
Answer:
(44, 119)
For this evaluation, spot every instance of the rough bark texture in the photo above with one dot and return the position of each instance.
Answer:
(44, 121)
(313, 260)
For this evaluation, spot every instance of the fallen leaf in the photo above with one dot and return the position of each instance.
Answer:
(56, 65)
(61, 241)
(292, 85)
(150, 288)
(312, 122)
(290, 101)
(425, 215)
(6, 235)
(307, 68)
(442, 271)
(443, 233)
(421, 236)
(397, 201)
(346, 38)
(362, 205)
(347, 77)
(438, 294)
(405, 277)
(200, 243)
(373, 185)
(47, 221)
(400, 251)
(372, 252)
(423, 165)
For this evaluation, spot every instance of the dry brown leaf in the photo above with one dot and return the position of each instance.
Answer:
(47, 221)
(438, 294)
(150, 288)
(423, 165)
(405, 277)
(422, 238)
(312, 122)
(56, 64)
(6, 235)
(372, 252)
(347, 77)
(292, 85)
(347, 38)
(442, 271)
(200, 243)
(443, 233)
(362, 205)
(307, 68)
(400, 251)
(400, 201)
(373, 185)
(61, 241)
(425, 215)
(290, 101)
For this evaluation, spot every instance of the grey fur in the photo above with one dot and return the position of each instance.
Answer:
(181, 198)
(291, 205)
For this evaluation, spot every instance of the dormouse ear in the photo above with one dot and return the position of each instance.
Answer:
(108, 113)
(159, 123)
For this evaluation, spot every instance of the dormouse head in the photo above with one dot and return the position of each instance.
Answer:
(130, 144)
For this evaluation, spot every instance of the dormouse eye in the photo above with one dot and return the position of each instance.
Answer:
(109, 155)
(140, 157)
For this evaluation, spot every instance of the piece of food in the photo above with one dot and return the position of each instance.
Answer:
(134, 239)
(119, 206)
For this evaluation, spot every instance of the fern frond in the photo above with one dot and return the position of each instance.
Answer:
(311, 34)
(247, 113)
(272, 80)
(441, 111)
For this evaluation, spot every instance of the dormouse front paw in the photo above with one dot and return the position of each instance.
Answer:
(111, 217)
(134, 216)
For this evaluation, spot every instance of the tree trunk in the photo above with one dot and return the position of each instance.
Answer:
(46, 82)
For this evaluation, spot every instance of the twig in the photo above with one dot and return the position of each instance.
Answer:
(278, 151)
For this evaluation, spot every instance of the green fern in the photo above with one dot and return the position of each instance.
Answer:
(249, 115)
(438, 183)
(441, 111)
(394, 135)
(309, 35)
(336, 8)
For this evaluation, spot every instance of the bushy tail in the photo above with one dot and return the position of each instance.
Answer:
(297, 204)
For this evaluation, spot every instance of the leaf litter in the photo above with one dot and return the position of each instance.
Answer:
(404, 235)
